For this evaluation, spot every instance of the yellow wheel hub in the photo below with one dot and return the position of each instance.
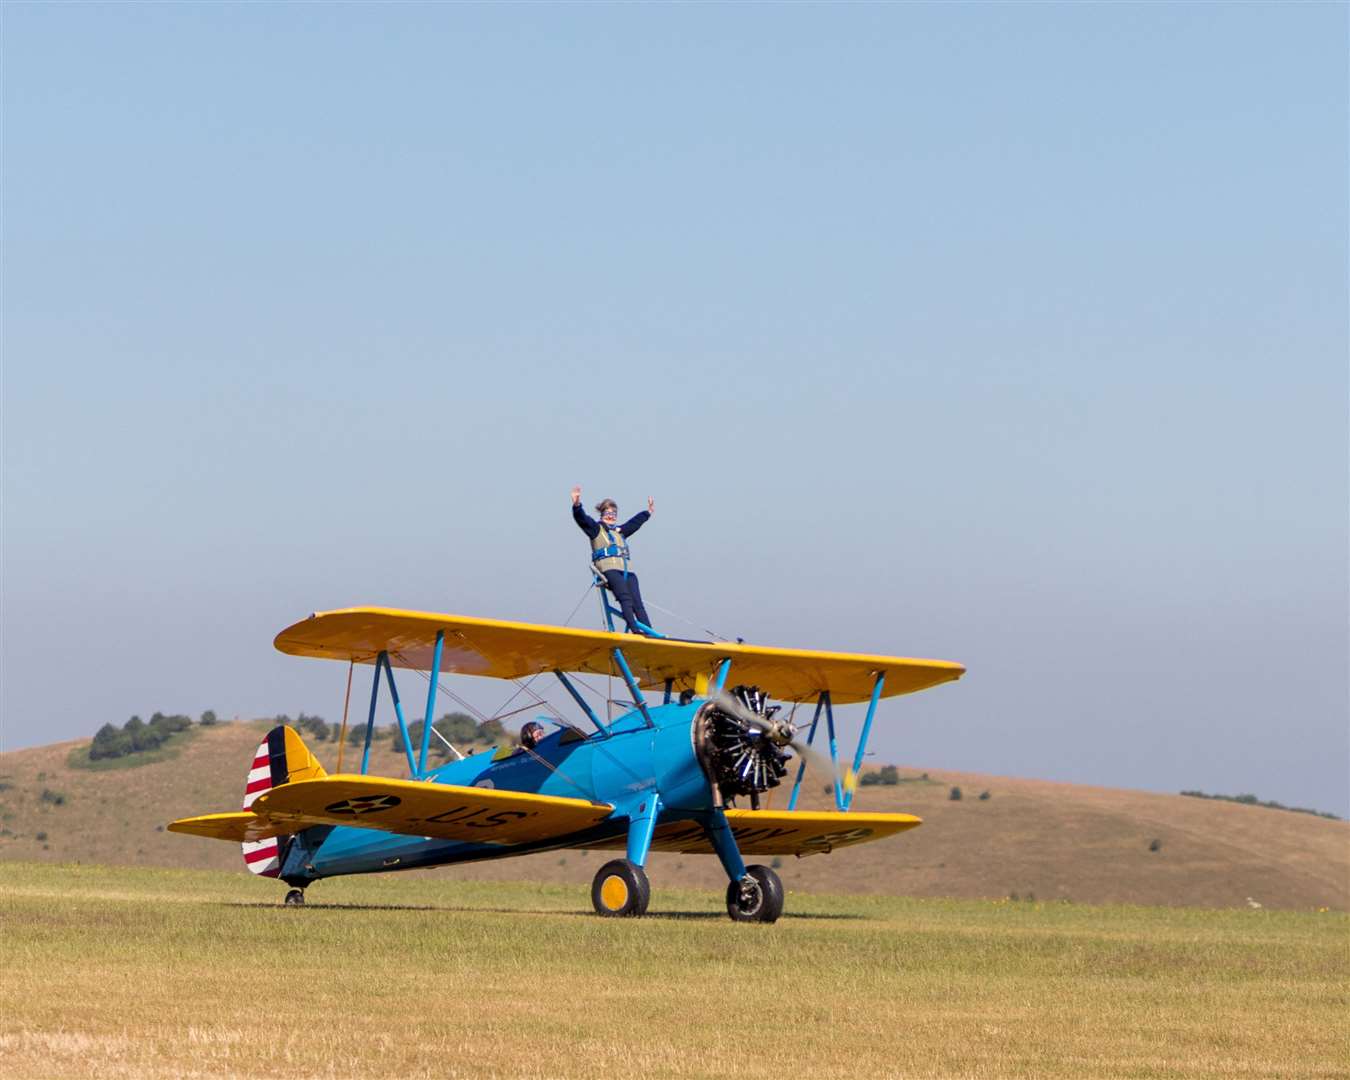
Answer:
(614, 892)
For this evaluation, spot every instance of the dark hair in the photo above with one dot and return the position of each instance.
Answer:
(532, 734)
(600, 506)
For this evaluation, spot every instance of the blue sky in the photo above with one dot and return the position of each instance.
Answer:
(1014, 335)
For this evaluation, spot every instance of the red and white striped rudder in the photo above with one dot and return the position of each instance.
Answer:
(280, 758)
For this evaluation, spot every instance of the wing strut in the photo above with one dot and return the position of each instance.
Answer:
(576, 696)
(843, 794)
(862, 739)
(431, 701)
(801, 769)
(382, 665)
(633, 688)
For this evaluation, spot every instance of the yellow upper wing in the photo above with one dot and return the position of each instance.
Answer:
(417, 808)
(511, 650)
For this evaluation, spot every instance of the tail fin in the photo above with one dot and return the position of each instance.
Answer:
(279, 759)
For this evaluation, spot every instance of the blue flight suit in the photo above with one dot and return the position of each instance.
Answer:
(624, 585)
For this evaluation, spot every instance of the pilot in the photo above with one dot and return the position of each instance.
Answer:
(532, 734)
(609, 554)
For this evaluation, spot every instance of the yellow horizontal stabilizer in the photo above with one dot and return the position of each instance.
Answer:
(418, 808)
(776, 832)
(240, 827)
(512, 650)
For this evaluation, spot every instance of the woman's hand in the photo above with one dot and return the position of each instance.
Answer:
(576, 495)
(651, 505)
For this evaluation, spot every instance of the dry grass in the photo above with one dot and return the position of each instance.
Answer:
(1050, 840)
(158, 973)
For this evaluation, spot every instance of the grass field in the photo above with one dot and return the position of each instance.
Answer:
(112, 972)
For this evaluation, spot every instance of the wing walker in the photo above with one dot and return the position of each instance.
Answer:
(682, 767)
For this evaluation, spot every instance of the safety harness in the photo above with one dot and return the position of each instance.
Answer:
(608, 544)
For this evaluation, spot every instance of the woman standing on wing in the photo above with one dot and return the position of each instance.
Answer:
(609, 554)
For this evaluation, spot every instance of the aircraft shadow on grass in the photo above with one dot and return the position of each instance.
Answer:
(706, 916)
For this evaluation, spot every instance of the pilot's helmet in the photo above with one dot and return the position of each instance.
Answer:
(531, 734)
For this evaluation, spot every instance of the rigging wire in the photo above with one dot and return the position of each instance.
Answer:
(689, 622)
(498, 714)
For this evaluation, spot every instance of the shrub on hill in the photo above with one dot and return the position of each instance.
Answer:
(1269, 804)
(208, 718)
(886, 776)
(317, 726)
(136, 736)
(314, 726)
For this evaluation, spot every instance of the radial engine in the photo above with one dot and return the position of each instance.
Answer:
(742, 745)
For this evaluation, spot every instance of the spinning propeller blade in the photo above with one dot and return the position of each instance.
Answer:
(781, 733)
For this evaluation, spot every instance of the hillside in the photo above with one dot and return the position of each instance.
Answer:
(1030, 838)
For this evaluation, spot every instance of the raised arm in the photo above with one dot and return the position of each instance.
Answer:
(634, 523)
(585, 522)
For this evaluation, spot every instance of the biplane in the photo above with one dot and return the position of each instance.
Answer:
(683, 763)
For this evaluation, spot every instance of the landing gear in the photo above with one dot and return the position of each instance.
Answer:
(757, 897)
(621, 888)
(295, 898)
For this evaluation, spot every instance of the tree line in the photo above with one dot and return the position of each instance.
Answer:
(137, 736)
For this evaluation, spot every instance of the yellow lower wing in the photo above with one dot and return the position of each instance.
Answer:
(243, 826)
(774, 832)
(417, 808)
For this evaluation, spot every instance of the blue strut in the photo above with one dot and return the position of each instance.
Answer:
(398, 711)
(810, 738)
(862, 739)
(431, 701)
(724, 843)
(641, 829)
(370, 720)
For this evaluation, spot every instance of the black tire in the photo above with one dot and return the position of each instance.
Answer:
(759, 898)
(621, 889)
(295, 898)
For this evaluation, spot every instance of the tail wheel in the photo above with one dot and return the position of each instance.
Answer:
(621, 888)
(757, 897)
(295, 897)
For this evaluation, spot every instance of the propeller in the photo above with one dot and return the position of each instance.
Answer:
(779, 732)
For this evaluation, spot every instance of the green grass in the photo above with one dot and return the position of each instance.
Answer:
(159, 973)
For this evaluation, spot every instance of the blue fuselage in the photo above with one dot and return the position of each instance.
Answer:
(625, 768)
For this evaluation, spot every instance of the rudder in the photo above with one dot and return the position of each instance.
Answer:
(280, 758)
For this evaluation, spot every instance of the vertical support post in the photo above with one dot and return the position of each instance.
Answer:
(724, 843)
(431, 701)
(641, 829)
(670, 685)
(398, 711)
(604, 603)
(862, 739)
(720, 678)
(581, 701)
(834, 751)
(370, 720)
(810, 738)
(633, 688)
